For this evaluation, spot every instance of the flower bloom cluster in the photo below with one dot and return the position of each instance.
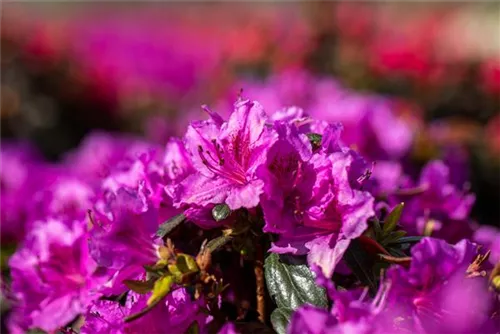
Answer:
(87, 225)
(433, 295)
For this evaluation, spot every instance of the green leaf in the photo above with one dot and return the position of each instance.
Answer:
(221, 212)
(377, 229)
(36, 331)
(393, 236)
(404, 240)
(158, 269)
(141, 287)
(174, 270)
(186, 263)
(280, 319)
(218, 242)
(161, 289)
(170, 224)
(292, 285)
(360, 263)
(392, 219)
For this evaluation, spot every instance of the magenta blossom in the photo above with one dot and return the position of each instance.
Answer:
(100, 153)
(436, 206)
(174, 315)
(309, 199)
(372, 123)
(19, 179)
(435, 294)
(352, 312)
(177, 162)
(63, 196)
(226, 157)
(147, 173)
(121, 240)
(51, 275)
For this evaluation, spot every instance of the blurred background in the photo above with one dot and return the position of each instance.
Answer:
(68, 69)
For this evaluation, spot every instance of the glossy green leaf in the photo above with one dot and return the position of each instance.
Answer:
(221, 212)
(218, 242)
(170, 224)
(280, 319)
(292, 285)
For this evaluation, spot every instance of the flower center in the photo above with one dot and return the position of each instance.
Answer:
(218, 165)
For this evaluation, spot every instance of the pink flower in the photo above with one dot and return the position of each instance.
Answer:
(226, 157)
(51, 275)
(310, 201)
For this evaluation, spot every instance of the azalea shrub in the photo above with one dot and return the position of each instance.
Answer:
(263, 217)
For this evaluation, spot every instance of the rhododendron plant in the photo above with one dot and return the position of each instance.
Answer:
(124, 236)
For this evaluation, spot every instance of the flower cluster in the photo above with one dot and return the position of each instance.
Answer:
(114, 239)
(433, 295)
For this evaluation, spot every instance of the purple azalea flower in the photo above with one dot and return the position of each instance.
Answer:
(105, 316)
(312, 320)
(288, 114)
(148, 172)
(437, 207)
(309, 199)
(289, 88)
(387, 177)
(351, 312)
(144, 168)
(177, 161)
(393, 135)
(100, 153)
(124, 243)
(18, 182)
(174, 315)
(226, 158)
(458, 159)
(371, 123)
(51, 275)
(62, 196)
(434, 294)
(124, 58)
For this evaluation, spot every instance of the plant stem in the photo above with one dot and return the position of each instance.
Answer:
(259, 279)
